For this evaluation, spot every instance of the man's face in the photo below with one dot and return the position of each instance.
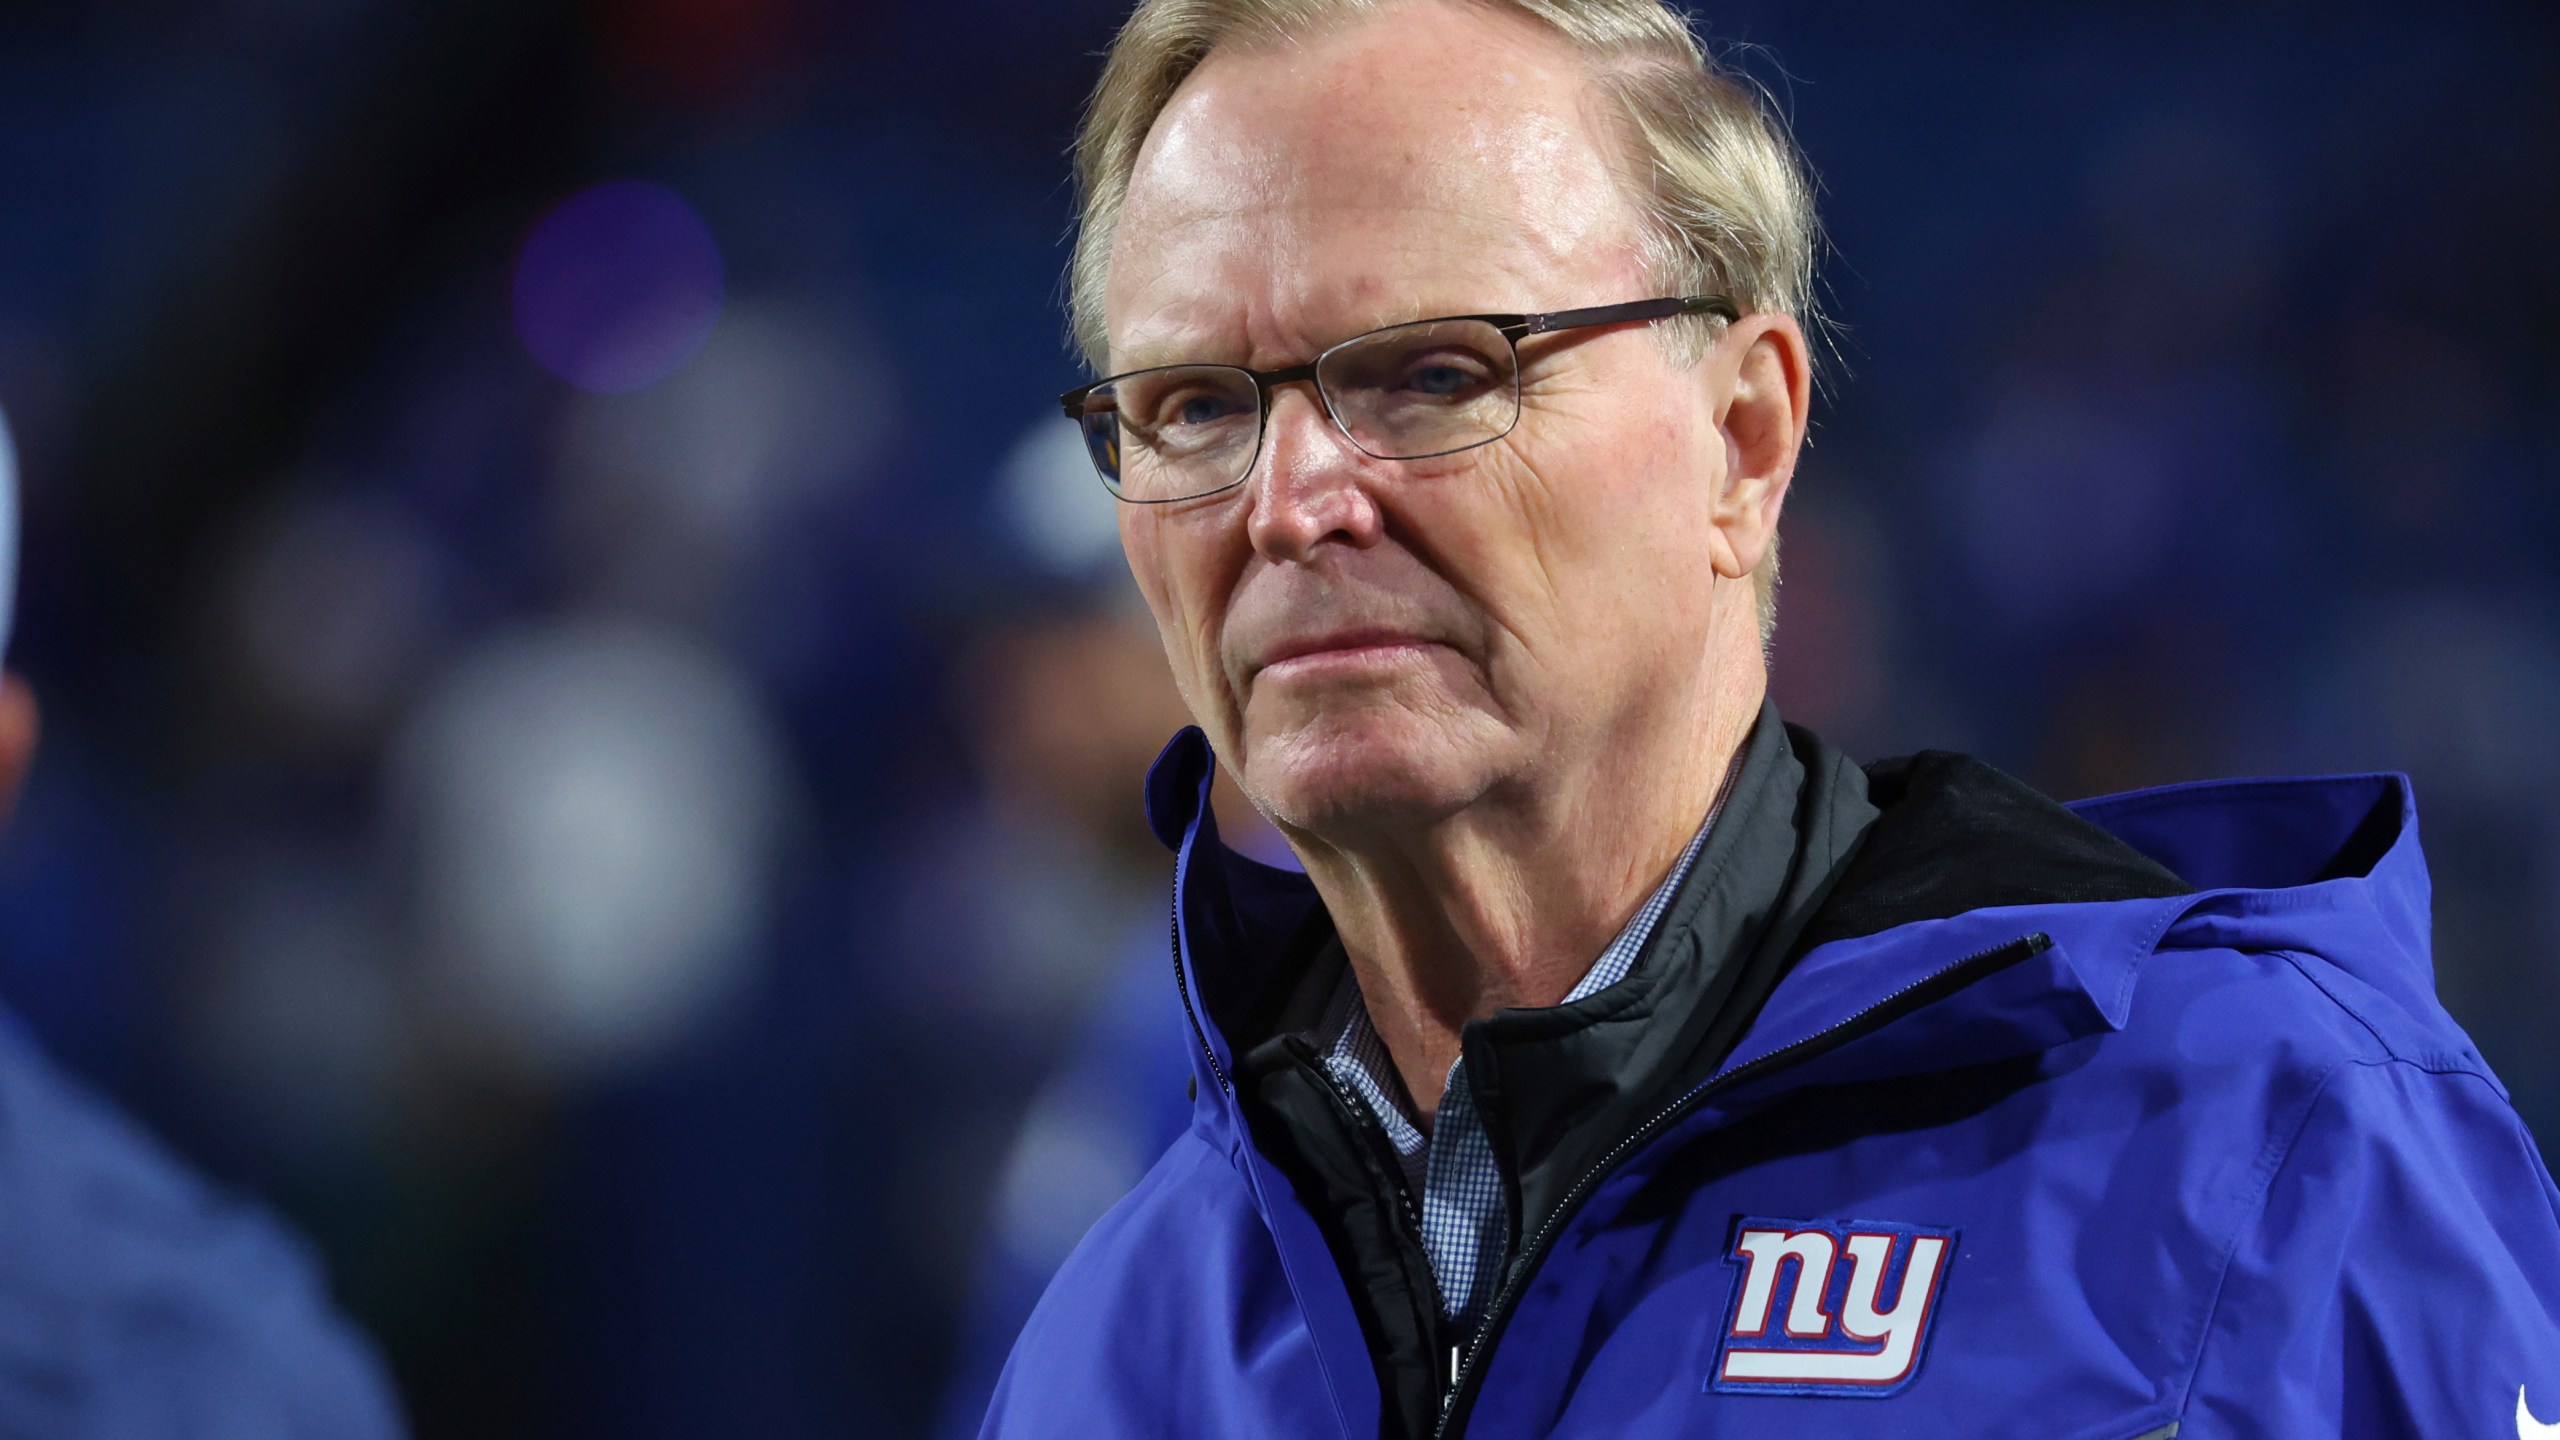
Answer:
(1370, 643)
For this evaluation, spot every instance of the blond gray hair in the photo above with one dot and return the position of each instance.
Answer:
(1726, 200)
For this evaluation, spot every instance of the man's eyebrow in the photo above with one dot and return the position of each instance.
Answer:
(1149, 356)
(1150, 352)
(1173, 341)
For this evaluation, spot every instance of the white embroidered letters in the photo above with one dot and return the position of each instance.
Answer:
(1804, 1323)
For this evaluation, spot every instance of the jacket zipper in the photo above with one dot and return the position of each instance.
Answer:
(1182, 983)
(1465, 1366)
(1367, 1128)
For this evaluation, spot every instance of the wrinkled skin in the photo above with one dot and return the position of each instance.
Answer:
(1487, 697)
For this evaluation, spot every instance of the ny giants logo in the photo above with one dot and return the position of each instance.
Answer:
(1811, 1315)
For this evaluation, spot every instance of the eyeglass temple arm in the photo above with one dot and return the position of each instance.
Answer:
(1716, 305)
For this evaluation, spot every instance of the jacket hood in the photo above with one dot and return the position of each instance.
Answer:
(2328, 865)
(2326, 868)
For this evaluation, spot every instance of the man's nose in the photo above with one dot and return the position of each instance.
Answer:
(1310, 484)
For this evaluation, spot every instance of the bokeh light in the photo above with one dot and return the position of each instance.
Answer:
(336, 606)
(591, 809)
(1055, 507)
(617, 286)
(664, 497)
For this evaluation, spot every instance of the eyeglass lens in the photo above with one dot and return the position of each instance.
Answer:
(1405, 393)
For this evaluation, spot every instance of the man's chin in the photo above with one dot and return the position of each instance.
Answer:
(1376, 775)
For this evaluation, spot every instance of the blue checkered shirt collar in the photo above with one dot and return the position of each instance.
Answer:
(1452, 1169)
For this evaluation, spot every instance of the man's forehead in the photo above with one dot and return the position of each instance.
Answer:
(1331, 272)
(1361, 166)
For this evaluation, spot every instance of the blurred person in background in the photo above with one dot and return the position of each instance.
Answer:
(1062, 705)
(1066, 699)
(138, 1301)
(1898, 1098)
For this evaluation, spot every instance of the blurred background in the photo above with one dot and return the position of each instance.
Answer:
(594, 716)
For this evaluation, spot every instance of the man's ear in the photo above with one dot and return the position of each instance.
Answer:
(1763, 420)
(20, 724)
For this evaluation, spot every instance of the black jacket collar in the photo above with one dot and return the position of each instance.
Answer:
(1558, 1086)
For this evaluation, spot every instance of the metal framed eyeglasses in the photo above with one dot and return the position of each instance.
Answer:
(1407, 392)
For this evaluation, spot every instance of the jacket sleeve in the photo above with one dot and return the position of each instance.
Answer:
(2402, 1278)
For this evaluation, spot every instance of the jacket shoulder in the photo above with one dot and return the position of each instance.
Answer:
(2414, 1309)
(2348, 983)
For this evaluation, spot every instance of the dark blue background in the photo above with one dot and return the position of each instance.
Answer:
(2195, 411)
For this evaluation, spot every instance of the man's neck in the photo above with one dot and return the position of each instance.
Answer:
(1507, 905)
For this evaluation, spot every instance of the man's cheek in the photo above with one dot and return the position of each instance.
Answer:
(1159, 589)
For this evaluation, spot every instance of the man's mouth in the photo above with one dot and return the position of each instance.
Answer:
(1342, 651)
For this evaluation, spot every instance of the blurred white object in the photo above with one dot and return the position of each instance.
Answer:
(1055, 503)
(1076, 1156)
(594, 811)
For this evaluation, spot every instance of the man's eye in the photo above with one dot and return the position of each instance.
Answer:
(1445, 377)
(1441, 380)
(1202, 409)
(1188, 407)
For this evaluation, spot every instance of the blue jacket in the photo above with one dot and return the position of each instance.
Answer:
(2207, 1164)
(137, 1302)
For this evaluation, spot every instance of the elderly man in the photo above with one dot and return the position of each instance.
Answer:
(1627, 1062)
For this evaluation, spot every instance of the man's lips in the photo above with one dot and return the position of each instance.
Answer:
(1352, 647)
